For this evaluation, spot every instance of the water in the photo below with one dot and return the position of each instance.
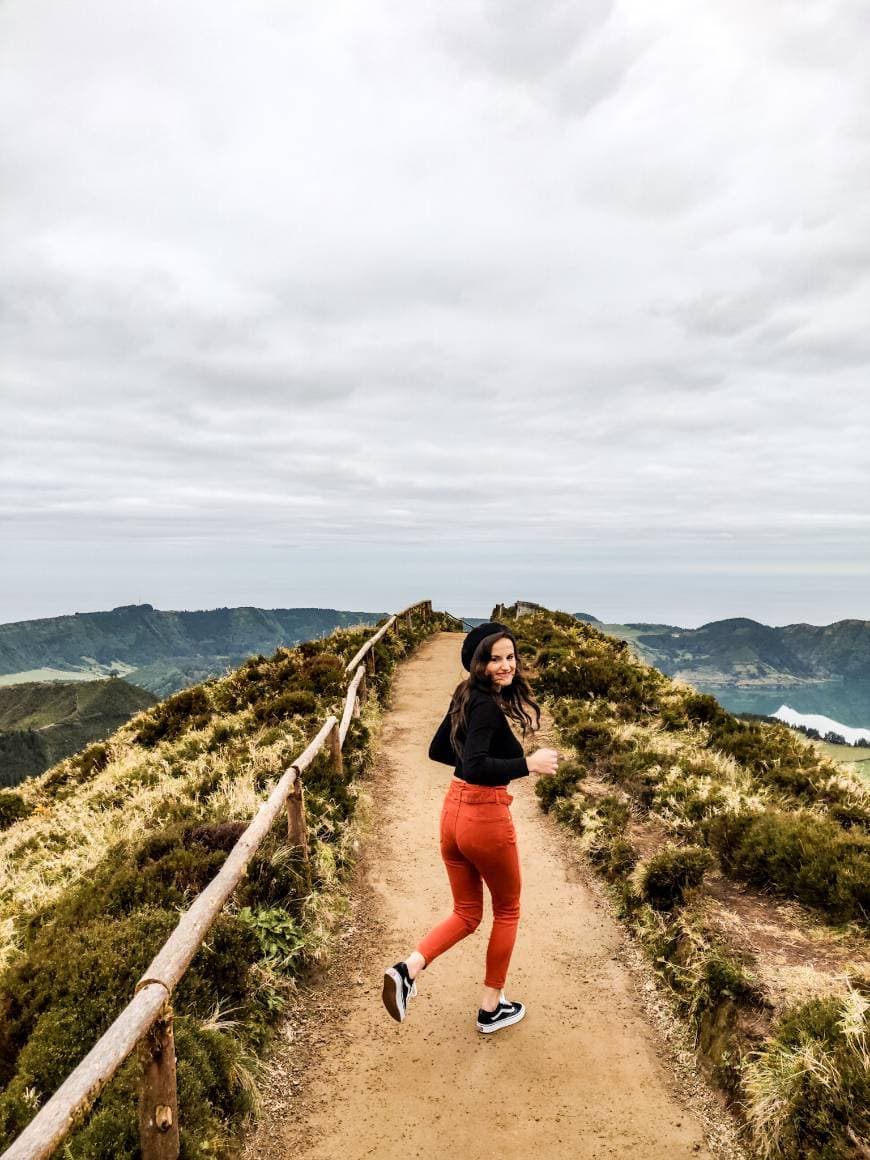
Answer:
(844, 701)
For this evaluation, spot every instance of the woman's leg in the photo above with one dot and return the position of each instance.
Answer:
(467, 890)
(489, 841)
(502, 875)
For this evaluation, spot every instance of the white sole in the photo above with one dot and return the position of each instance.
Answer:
(488, 1028)
(392, 994)
(393, 991)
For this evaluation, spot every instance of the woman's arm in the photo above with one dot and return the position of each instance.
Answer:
(484, 718)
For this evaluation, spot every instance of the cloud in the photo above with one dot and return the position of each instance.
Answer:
(590, 281)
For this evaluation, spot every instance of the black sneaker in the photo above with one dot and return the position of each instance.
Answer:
(503, 1016)
(399, 987)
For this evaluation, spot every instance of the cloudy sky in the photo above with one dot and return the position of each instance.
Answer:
(354, 304)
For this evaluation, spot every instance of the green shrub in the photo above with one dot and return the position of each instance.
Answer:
(808, 1089)
(702, 709)
(592, 739)
(298, 702)
(618, 858)
(614, 812)
(551, 786)
(220, 735)
(725, 977)
(13, 807)
(851, 815)
(187, 710)
(633, 688)
(799, 855)
(674, 718)
(325, 674)
(637, 771)
(281, 939)
(671, 872)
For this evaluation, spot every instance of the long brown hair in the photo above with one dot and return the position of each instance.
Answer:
(516, 701)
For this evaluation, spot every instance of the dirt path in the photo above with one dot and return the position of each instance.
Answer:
(580, 1077)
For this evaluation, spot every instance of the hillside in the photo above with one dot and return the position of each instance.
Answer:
(99, 854)
(162, 651)
(752, 667)
(739, 858)
(40, 724)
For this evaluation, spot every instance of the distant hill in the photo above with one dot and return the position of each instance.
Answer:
(751, 667)
(40, 724)
(157, 650)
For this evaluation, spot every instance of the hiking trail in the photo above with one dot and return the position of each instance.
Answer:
(586, 1075)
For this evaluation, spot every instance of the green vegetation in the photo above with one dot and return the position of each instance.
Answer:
(13, 807)
(163, 651)
(809, 1087)
(671, 872)
(799, 855)
(42, 724)
(664, 769)
(110, 845)
(754, 668)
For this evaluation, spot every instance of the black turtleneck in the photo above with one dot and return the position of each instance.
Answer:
(491, 754)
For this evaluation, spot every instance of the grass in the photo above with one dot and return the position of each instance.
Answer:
(665, 789)
(853, 758)
(120, 838)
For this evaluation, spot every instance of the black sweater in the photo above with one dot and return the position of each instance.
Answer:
(491, 754)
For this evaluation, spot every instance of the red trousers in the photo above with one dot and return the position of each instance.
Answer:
(479, 844)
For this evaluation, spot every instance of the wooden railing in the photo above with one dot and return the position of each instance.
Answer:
(147, 1018)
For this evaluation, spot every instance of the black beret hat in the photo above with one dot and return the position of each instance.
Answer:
(476, 635)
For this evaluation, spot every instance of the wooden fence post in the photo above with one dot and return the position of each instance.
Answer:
(297, 828)
(335, 750)
(370, 663)
(158, 1098)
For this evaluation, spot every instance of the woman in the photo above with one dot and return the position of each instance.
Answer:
(478, 840)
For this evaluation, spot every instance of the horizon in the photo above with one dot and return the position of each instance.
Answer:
(464, 613)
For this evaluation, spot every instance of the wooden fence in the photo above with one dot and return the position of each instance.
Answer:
(146, 1021)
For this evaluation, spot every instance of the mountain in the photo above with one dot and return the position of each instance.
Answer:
(752, 667)
(160, 650)
(40, 724)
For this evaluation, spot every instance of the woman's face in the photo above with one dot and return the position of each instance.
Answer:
(502, 663)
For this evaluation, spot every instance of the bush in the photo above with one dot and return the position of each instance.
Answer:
(325, 674)
(808, 1090)
(187, 710)
(637, 771)
(615, 858)
(78, 769)
(702, 709)
(13, 808)
(592, 740)
(551, 786)
(633, 688)
(671, 872)
(799, 855)
(299, 703)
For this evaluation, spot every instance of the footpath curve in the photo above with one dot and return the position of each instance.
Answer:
(581, 1077)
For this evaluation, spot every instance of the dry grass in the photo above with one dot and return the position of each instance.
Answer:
(69, 833)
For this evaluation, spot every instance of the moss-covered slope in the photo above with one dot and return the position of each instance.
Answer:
(43, 722)
(683, 808)
(103, 850)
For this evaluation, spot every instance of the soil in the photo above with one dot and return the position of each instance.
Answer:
(595, 1070)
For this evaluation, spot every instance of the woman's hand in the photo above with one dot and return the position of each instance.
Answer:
(543, 761)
